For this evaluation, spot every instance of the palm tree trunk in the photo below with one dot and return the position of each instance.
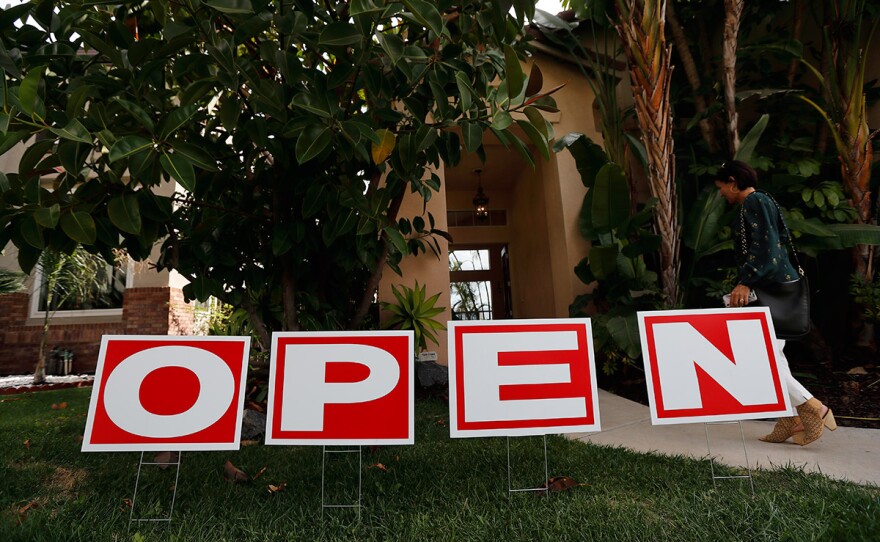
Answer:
(856, 173)
(797, 25)
(693, 76)
(732, 16)
(641, 29)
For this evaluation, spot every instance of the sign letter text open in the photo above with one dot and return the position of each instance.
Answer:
(712, 365)
(328, 388)
(521, 377)
(167, 393)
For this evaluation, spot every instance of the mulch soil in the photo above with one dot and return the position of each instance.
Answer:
(852, 393)
(44, 387)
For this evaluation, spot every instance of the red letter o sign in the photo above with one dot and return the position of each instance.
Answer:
(139, 404)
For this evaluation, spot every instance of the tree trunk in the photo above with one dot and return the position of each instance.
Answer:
(259, 325)
(796, 29)
(373, 283)
(732, 15)
(288, 297)
(856, 173)
(797, 25)
(40, 369)
(693, 76)
(641, 30)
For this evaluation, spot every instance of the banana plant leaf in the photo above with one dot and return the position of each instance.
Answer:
(704, 221)
(610, 205)
(624, 331)
(588, 156)
(746, 150)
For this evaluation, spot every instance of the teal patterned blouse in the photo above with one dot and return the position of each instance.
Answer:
(761, 243)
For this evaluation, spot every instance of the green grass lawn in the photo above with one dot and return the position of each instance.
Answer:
(438, 489)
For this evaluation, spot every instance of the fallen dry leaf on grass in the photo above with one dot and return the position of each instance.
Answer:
(275, 489)
(23, 511)
(857, 371)
(27, 443)
(61, 406)
(166, 459)
(234, 474)
(249, 442)
(379, 466)
(260, 473)
(557, 484)
(126, 505)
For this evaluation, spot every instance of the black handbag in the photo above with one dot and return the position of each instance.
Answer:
(789, 302)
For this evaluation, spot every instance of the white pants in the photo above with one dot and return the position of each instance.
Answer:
(796, 391)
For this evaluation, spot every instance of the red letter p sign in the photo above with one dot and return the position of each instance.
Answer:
(341, 388)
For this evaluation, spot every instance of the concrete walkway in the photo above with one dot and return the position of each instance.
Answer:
(845, 454)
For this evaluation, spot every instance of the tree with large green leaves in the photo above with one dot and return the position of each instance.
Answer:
(295, 129)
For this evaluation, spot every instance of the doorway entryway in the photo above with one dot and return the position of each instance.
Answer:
(479, 276)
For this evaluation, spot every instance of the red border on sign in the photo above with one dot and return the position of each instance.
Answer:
(716, 400)
(385, 418)
(223, 431)
(580, 385)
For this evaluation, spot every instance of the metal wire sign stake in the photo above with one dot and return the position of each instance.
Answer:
(545, 489)
(137, 481)
(745, 453)
(324, 504)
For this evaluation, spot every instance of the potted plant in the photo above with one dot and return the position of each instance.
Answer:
(413, 310)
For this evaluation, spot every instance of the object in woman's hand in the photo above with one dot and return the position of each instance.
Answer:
(752, 298)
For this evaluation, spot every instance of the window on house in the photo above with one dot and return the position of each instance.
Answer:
(82, 283)
(105, 293)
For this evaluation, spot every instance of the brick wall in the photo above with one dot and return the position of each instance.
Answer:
(145, 311)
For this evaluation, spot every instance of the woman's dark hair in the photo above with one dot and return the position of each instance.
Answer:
(744, 174)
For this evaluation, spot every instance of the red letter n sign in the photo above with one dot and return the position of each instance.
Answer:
(521, 377)
(712, 365)
(341, 388)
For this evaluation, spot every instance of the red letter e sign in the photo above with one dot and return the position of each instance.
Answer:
(712, 365)
(167, 393)
(521, 377)
(341, 388)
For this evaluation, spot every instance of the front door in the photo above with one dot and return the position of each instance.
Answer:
(479, 282)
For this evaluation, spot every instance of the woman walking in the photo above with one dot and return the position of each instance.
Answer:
(762, 257)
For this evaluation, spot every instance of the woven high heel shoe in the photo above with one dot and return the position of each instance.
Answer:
(783, 430)
(814, 422)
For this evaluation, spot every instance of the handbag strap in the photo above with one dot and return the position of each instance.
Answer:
(784, 227)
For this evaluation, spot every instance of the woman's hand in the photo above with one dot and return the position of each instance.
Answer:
(739, 297)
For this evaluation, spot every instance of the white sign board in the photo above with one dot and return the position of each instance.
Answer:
(347, 387)
(522, 377)
(156, 392)
(712, 365)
